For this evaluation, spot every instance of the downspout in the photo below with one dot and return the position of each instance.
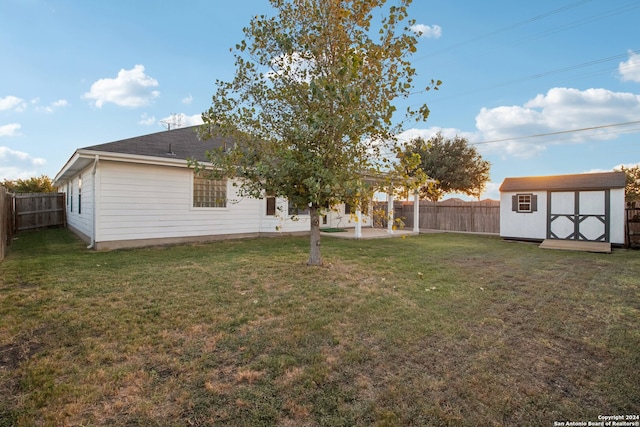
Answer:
(94, 210)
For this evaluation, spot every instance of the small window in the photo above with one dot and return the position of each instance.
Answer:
(271, 206)
(297, 212)
(524, 203)
(79, 194)
(209, 193)
(347, 209)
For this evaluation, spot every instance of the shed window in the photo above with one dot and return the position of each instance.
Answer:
(209, 193)
(524, 203)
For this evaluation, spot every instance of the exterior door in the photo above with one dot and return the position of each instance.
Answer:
(578, 215)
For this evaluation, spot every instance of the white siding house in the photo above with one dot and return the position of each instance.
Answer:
(140, 191)
(581, 207)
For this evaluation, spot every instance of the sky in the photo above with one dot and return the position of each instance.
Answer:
(548, 87)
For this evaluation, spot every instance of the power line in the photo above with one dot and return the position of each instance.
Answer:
(536, 76)
(626, 8)
(556, 133)
(617, 11)
(507, 28)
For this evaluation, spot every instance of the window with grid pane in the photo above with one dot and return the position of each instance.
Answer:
(209, 193)
(524, 202)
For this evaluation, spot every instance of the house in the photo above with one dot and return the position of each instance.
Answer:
(583, 207)
(141, 191)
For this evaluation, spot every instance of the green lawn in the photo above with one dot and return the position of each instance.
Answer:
(437, 329)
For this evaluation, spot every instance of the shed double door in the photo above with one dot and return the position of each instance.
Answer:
(578, 215)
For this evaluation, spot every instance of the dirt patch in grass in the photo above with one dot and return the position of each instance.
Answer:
(21, 349)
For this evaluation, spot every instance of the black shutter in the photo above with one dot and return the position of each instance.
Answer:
(534, 203)
(514, 203)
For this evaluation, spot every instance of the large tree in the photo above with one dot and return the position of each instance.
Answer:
(456, 166)
(311, 106)
(632, 189)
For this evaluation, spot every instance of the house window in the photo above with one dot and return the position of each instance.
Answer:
(209, 193)
(80, 194)
(293, 211)
(347, 209)
(524, 203)
(271, 206)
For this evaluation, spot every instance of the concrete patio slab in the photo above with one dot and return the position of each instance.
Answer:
(368, 233)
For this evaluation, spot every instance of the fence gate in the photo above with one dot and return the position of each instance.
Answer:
(39, 210)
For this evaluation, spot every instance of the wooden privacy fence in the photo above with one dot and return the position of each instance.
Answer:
(6, 227)
(451, 215)
(28, 211)
(633, 226)
(39, 210)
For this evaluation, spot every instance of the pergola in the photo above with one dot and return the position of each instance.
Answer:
(390, 209)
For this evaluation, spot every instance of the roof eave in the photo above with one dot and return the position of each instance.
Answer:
(82, 158)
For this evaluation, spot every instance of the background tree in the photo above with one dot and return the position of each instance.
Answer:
(453, 163)
(312, 101)
(632, 189)
(36, 184)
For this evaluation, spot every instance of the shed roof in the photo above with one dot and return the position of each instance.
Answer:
(584, 181)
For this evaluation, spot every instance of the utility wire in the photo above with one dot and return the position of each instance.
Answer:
(507, 28)
(536, 76)
(557, 133)
(612, 12)
(626, 8)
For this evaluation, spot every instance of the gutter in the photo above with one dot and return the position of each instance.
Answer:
(93, 216)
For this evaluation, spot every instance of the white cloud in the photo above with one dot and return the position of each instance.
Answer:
(12, 103)
(428, 31)
(181, 120)
(147, 120)
(296, 66)
(630, 69)
(17, 164)
(626, 165)
(428, 133)
(10, 130)
(560, 110)
(61, 103)
(187, 100)
(132, 88)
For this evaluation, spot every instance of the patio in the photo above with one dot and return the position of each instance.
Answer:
(369, 233)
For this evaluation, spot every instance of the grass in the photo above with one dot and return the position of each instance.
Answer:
(439, 329)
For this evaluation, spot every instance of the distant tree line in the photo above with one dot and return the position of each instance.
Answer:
(36, 184)
(632, 190)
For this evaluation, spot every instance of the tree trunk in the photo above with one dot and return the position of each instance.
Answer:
(314, 254)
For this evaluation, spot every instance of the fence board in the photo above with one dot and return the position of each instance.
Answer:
(5, 221)
(451, 215)
(633, 227)
(39, 210)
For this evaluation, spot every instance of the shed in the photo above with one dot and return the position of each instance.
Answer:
(580, 207)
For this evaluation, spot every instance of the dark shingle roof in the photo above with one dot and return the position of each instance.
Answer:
(182, 143)
(585, 181)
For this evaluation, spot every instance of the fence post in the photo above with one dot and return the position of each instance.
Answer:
(4, 229)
